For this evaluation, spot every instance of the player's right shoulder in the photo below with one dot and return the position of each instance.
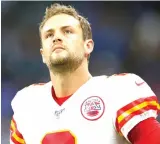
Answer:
(31, 88)
(28, 94)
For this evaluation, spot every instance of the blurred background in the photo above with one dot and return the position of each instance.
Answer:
(126, 35)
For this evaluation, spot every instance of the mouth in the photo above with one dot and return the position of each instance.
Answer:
(58, 47)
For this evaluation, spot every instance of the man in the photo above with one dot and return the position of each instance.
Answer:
(74, 107)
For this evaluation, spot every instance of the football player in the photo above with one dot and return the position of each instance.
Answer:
(75, 107)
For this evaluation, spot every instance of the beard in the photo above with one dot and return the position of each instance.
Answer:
(65, 64)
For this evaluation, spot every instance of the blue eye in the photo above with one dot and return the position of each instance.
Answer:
(68, 31)
(49, 35)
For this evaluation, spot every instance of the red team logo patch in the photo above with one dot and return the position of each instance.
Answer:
(92, 108)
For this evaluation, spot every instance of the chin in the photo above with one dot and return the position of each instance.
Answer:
(58, 60)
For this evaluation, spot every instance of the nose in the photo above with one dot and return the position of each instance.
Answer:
(57, 39)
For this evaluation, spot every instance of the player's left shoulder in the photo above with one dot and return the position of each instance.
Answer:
(129, 79)
(133, 87)
(125, 75)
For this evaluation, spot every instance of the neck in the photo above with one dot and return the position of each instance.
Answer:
(67, 84)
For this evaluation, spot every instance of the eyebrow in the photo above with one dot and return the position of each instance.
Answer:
(52, 30)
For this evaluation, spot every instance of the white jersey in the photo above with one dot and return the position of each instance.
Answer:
(101, 111)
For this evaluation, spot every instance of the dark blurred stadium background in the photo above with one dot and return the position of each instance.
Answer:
(126, 35)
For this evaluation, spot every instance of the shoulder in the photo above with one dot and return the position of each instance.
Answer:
(28, 94)
(32, 88)
(125, 76)
(129, 88)
(127, 79)
(134, 101)
(120, 80)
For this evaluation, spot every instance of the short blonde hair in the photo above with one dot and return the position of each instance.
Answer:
(56, 9)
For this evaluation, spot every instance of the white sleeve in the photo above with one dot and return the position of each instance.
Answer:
(15, 134)
(137, 102)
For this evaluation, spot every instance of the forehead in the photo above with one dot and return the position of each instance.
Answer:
(59, 21)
